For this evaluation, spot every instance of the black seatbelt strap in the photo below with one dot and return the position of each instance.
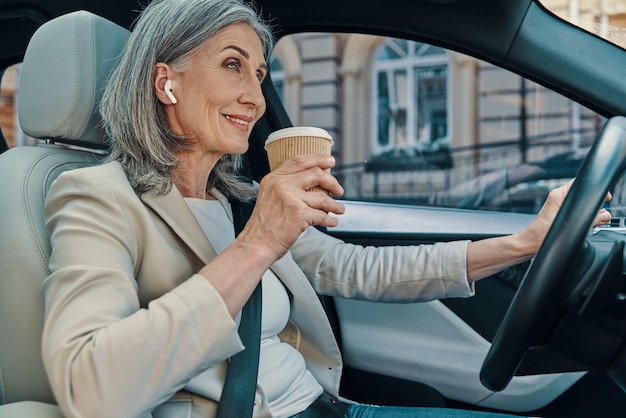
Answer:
(237, 399)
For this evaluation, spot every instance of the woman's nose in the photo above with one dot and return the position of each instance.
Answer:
(253, 93)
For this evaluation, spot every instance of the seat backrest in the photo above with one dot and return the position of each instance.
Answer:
(66, 64)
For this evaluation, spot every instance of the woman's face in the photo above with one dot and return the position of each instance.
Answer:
(219, 96)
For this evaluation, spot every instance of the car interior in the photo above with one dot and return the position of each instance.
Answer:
(71, 74)
(537, 359)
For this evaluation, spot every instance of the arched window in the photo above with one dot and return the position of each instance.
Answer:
(411, 95)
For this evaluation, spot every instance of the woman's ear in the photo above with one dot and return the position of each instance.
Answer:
(163, 84)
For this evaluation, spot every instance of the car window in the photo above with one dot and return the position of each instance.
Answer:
(9, 123)
(418, 124)
(8, 87)
(605, 18)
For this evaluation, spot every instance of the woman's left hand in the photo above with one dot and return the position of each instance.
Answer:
(538, 228)
(487, 257)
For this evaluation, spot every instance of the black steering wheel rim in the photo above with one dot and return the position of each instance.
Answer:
(539, 291)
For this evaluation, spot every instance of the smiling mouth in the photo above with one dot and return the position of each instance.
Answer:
(237, 120)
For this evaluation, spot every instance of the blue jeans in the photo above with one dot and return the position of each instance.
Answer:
(370, 411)
(328, 406)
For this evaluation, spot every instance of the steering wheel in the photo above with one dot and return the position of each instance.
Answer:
(540, 291)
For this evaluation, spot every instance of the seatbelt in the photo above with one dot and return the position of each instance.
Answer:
(237, 399)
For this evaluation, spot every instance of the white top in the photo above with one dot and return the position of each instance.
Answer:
(288, 386)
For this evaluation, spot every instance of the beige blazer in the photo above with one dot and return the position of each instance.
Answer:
(129, 321)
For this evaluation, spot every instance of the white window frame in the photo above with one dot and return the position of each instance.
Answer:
(408, 64)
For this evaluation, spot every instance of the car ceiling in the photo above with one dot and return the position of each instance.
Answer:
(420, 17)
(509, 33)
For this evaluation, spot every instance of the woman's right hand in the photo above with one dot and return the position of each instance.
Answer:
(284, 207)
(283, 210)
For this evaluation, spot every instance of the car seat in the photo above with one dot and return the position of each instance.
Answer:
(65, 66)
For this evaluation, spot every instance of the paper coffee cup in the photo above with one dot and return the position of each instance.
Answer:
(288, 142)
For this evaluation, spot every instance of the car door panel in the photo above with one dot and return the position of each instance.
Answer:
(428, 343)
(439, 343)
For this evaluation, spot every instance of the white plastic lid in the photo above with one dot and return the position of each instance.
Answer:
(299, 131)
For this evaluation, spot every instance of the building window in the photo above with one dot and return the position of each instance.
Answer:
(278, 76)
(411, 91)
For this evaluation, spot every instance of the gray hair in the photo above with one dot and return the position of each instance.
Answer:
(168, 31)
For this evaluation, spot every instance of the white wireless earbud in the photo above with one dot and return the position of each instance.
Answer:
(168, 91)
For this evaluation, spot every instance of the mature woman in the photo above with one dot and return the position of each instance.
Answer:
(147, 278)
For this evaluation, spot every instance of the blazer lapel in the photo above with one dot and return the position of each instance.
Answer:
(306, 311)
(173, 210)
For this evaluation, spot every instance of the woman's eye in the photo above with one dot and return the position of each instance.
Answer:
(234, 65)
(260, 75)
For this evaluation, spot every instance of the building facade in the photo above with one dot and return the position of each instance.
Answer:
(390, 104)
